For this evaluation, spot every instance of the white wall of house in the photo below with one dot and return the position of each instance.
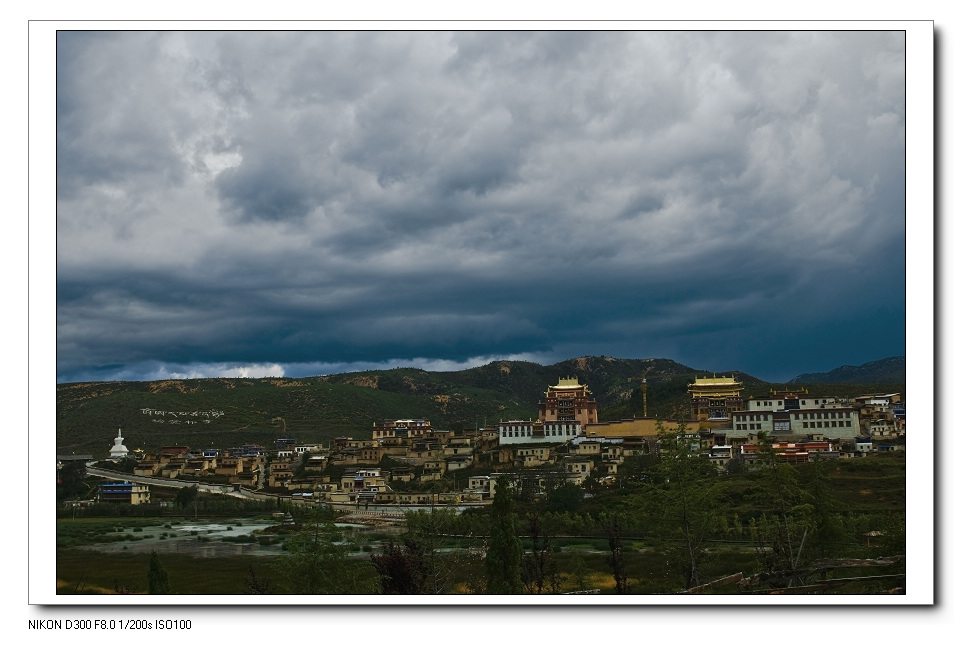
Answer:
(804, 403)
(555, 432)
(833, 423)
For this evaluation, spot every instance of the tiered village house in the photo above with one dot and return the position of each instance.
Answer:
(798, 414)
(566, 441)
(125, 493)
(881, 415)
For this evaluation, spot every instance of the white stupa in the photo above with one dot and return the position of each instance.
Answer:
(119, 450)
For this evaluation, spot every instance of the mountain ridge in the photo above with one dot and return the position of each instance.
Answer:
(225, 412)
(883, 370)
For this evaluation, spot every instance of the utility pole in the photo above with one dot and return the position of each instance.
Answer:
(644, 397)
(644, 391)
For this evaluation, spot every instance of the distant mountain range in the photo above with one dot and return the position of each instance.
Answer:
(887, 370)
(227, 412)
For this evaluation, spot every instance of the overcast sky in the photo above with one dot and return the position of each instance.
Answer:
(270, 203)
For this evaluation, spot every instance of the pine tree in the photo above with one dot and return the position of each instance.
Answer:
(157, 580)
(505, 551)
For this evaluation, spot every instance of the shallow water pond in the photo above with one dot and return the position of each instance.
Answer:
(199, 538)
(205, 538)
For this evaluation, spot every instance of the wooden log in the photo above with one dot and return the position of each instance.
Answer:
(733, 578)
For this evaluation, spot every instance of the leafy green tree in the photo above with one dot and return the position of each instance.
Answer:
(592, 483)
(683, 501)
(565, 499)
(634, 468)
(403, 570)
(472, 568)
(579, 569)
(70, 480)
(505, 551)
(614, 528)
(157, 579)
(826, 520)
(318, 559)
(780, 533)
(423, 550)
(540, 569)
(186, 496)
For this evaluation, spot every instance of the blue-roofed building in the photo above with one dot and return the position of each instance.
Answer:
(125, 493)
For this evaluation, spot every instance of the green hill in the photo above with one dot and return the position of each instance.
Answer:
(228, 412)
(887, 370)
(233, 412)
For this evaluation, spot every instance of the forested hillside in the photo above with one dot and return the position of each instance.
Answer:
(226, 412)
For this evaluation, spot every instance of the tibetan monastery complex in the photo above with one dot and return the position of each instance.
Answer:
(566, 440)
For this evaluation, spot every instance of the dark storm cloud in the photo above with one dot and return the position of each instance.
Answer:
(284, 202)
(273, 188)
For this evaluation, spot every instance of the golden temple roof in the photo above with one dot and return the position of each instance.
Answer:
(715, 380)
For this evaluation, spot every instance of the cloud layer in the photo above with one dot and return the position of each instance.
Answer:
(309, 202)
